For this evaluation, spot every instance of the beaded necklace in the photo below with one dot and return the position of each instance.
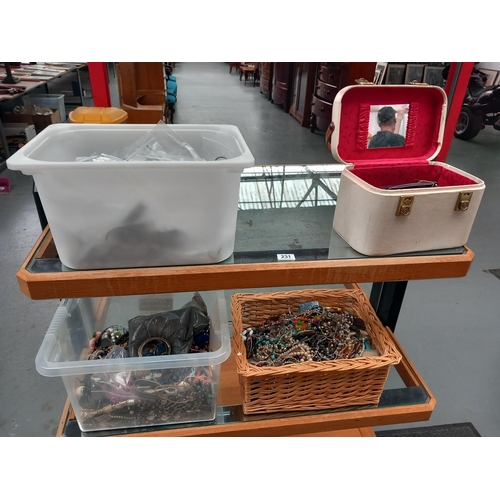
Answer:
(315, 333)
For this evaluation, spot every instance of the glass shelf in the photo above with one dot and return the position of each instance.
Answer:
(227, 415)
(321, 257)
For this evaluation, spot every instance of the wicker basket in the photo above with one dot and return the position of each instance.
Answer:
(310, 385)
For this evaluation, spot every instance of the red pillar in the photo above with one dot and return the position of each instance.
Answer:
(455, 101)
(98, 73)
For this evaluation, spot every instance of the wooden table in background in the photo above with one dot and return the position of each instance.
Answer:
(248, 70)
(31, 85)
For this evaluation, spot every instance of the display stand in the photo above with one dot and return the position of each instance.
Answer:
(42, 277)
(413, 404)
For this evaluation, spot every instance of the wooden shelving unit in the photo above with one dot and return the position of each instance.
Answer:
(410, 404)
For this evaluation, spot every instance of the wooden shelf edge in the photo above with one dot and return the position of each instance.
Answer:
(64, 419)
(36, 247)
(296, 426)
(140, 281)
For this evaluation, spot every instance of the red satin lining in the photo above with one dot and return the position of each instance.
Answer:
(424, 121)
(394, 175)
(363, 125)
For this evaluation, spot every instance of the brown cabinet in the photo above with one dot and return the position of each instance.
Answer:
(333, 73)
(322, 109)
(265, 75)
(141, 87)
(357, 70)
(325, 91)
(282, 84)
(303, 79)
(330, 78)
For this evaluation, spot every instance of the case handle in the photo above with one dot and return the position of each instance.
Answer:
(328, 136)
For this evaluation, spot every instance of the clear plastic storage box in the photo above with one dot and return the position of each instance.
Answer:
(52, 101)
(133, 392)
(121, 214)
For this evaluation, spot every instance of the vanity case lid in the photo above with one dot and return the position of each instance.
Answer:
(357, 113)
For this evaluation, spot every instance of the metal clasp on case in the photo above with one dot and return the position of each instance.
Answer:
(404, 206)
(463, 201)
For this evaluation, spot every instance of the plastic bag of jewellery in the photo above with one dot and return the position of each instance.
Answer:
(115, 387)
(98, 158)
(159, 144)
(95, 390)
(175, 147)
(111, 343)
(117, 352)
(170, 332)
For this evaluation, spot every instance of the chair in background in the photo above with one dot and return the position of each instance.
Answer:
(234, 65)
(171, 92)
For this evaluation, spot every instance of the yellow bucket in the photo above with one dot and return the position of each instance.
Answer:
(85, 114)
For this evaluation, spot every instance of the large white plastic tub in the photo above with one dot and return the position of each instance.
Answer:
(130, 214)
(94, 385)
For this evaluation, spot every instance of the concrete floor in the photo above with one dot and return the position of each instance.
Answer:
(449, 328)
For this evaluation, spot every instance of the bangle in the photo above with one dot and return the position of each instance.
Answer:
(154, 346)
